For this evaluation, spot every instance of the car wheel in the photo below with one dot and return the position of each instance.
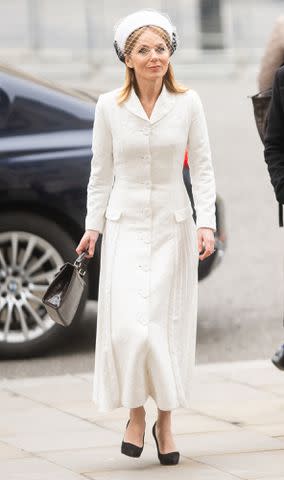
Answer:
(32, 249)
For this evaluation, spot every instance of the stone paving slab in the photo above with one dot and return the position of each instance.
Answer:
(9, 452)
(60, 440)
(249, 465)
(50, 428)
(212, 443)
(185, 471)
(107, 462)
(52, 390)
(271, 478)
(35, 468)
(44, 419)
(271, 429)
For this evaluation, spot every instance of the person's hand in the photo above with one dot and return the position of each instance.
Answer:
(206, 241)
(88, 242)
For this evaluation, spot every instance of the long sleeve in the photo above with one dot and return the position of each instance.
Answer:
(274, 141)
(201, 168)
(101, 176)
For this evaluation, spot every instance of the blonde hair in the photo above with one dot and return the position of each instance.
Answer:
(130, 78)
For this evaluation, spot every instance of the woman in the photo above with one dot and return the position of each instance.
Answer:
(147, 306)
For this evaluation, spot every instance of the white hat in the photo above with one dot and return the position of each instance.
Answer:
(127, 25)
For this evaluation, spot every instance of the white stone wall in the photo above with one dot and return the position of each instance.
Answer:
(81, 24)
(69, 38)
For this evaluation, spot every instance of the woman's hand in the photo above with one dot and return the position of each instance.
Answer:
(205, 238)
(88, 242)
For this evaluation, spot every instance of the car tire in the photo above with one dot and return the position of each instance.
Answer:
(26, 240)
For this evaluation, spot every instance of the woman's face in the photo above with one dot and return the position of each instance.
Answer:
(149, 56)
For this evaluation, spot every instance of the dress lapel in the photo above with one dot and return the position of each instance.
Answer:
(163, 105)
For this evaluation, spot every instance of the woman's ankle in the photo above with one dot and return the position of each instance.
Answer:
(137, 414)
(164, 420)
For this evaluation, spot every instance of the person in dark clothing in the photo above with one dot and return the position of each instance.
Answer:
(274, 157)
(274, 136)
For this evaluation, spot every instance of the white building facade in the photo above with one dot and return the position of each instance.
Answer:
(80, 32)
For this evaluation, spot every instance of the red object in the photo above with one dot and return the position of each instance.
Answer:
(185, 162)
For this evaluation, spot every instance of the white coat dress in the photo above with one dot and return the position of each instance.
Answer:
(136, 197)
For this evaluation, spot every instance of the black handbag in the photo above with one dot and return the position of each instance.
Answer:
(63, 295)
(261, 102)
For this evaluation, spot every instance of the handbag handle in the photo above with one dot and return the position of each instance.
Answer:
(81, 263)
(262, 93)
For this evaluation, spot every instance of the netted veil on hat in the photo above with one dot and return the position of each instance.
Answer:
(142, 18)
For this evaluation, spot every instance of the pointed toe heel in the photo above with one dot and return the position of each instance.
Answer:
(170, 458)
(278, 358)
(131, 449)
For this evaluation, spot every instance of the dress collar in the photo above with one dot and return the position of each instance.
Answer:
(163, 105)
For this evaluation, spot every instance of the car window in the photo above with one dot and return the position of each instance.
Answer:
(4, 107)
(17, 121)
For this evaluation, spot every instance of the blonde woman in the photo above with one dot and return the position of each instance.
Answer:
(147, 305)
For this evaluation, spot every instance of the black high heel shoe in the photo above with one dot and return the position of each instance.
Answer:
(170, 458)
(278, 358)
(131, 449)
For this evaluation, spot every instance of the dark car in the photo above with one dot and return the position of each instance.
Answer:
(45, 154)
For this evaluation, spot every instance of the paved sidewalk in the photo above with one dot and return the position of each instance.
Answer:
(50, 430)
